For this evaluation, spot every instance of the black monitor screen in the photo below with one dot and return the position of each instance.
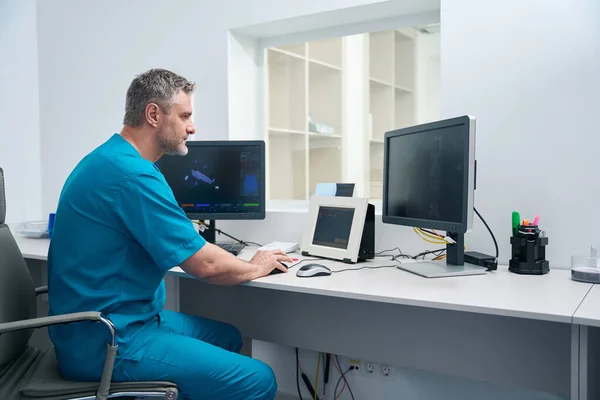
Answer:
(218, 180)
(333, 227)
(426, 175)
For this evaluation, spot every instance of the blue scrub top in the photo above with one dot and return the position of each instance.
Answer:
(118, 229)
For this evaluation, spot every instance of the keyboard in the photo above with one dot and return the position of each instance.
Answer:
(286, 247)
(233, 248)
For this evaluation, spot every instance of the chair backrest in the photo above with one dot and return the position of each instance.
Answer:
(17, 292)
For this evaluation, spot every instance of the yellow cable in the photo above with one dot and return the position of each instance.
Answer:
(422, 233)
(430, 236)
(427, 239)
(317, 377)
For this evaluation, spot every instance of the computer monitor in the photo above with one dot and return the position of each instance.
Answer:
(218, 180)
(429, 179)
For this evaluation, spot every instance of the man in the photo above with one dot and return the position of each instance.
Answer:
(118, 229)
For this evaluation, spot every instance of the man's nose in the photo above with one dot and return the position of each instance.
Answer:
(191, 129)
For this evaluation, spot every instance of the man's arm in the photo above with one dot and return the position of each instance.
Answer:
(146, 201)
(215, 265)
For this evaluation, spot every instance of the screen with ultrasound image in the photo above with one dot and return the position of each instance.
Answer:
(215, 179)
(426, 175)
(333, 227)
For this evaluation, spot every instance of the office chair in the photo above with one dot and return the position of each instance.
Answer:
(27, 373)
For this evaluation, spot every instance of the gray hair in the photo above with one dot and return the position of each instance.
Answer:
(158, 86)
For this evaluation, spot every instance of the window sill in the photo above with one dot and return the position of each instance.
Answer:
(301, 206)
(298, 206)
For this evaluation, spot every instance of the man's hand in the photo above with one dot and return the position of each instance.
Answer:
(214, 265)
(268, 260)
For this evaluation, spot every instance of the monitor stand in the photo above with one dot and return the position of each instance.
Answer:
(453, 265)
(440, 269)
(210, 233)
(455, 253)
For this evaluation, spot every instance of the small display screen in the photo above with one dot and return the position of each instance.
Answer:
(333, 227)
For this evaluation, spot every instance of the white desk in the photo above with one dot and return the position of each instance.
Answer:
(498, 327)
(496, 293)
(33, 249)
(588, 312)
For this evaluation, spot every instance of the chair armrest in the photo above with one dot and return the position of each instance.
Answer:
(47, 321)
(111, 349)
(41, 290)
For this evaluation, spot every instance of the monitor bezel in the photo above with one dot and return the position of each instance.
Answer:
(466, 222)
(262, 180)
(358, 204)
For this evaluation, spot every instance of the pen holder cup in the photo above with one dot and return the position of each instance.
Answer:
(528, 252)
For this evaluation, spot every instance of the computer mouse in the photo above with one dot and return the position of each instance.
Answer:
(278, 271)
(310, 270)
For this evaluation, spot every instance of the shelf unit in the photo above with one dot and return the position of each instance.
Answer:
(309, 89)
(391, 91)
(305, 117)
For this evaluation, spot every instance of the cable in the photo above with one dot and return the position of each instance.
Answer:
(491, 233)
(254, 243)
(345, 380)
(429, 235)
(220, 232)
(429, 238)
(394, 257)
(297, 375)
(428, 252)
(317, 375)
(365, 267)
(437, 253)
(387, 251)
(309, 386)
(304, 260)
(335, 395)
(343, 376)
(440, 257)
(304, 378)
(340, 372)
(432, 232)
(326, 373)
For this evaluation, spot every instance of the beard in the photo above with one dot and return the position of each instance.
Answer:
(171, 143)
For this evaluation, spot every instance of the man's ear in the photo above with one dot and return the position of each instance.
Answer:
(151, 114)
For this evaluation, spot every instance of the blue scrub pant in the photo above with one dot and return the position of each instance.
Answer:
(202, 357)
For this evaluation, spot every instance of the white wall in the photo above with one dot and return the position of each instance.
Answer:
(19, 110)
(528, 71)
(90, 51)
(428, 77)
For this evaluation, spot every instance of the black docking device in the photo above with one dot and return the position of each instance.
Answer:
(483, 260)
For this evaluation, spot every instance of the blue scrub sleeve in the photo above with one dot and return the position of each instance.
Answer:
(150, 213)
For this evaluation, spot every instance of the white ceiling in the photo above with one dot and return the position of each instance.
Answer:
(384, 10)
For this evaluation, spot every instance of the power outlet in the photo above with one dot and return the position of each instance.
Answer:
(355, 364)
(367, 368)
(387, 371)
